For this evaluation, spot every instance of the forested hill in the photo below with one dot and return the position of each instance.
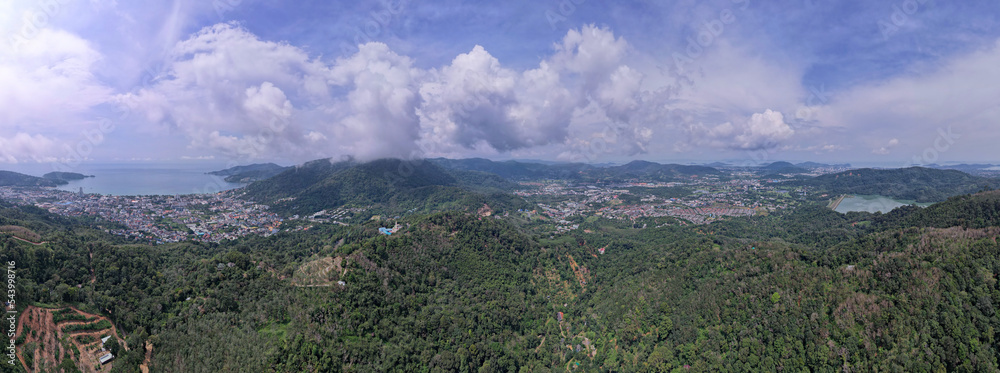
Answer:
(66, 176)
(651, 171)
(914, 183)
(806, 290)
(515, 170)
(981, 210)
(10, 178)
(782, 168)
(250, 173)
(389, 185)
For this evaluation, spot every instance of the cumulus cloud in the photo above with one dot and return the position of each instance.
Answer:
(230, 92)
(476, 101)
(760, 131)
(884, 150)
(227, 91)
(382, 120)
(580, 91)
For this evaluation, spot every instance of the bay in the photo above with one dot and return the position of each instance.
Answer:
(133, 179)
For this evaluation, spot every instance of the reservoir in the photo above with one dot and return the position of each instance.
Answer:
(873, 204)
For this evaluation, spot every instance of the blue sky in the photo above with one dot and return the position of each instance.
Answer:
(241, 81)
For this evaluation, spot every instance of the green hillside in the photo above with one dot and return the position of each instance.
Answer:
(513, 170)
(9, 178)
(387, 185)
(802, 290)
(250, 173)
(914, 183)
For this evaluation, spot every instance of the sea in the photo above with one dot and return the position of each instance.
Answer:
(135, 179)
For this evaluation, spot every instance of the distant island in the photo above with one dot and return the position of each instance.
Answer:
(250, 173)
(65, 176)
(10, 178)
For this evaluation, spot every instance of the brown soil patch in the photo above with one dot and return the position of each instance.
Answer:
(144, 367)
(50, 345)
(321, 272)
(22, 233)
(580, 272)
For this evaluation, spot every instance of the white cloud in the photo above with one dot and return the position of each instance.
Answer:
(23, 147)
(761, 131)
(476, 102)
(885, 150)
(958, 93)
(227, 91)
(49, 92)
(381, 104)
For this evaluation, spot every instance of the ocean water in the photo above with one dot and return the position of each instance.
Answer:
(873, 204)
(140, 178)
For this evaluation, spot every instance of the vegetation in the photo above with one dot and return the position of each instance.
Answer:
(250, 173)
(65, 176)
(803, 290)
(100, 325)
(9, 178)
(388, 186)
(914, 183)
(20, 232)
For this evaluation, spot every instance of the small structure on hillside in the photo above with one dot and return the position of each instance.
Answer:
(108, 356)
(388, 231)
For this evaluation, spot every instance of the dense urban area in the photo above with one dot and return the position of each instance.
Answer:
(225, 215)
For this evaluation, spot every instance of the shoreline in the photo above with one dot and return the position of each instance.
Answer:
(836, 203)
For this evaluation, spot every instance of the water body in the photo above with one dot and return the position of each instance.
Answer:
(874, 204)
(133, 179)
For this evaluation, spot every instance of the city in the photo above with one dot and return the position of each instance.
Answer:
(227, 216)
